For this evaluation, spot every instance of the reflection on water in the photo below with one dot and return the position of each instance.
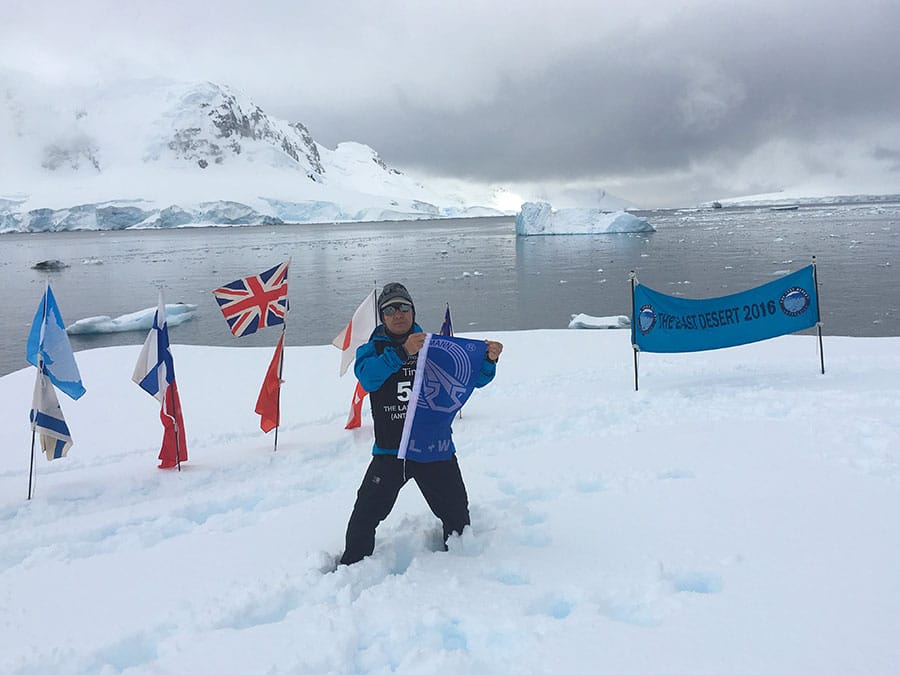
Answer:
(492, 279)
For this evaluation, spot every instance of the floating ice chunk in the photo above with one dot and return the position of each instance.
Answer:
(176, 314)
(537, 218)
(587, 321)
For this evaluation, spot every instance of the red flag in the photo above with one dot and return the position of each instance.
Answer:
(174, 445)
(354, 420)
(267, 405)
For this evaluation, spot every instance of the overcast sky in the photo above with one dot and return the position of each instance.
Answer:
(661, 103)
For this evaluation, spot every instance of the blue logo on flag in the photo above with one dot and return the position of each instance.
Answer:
(646, 319)
(794, 301)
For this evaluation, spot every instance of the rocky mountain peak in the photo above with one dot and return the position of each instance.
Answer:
(215, 123)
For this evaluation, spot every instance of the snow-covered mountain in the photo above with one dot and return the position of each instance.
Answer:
(158, 153)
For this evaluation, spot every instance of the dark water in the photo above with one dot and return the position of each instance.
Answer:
(492, 279)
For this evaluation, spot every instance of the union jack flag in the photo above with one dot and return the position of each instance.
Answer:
(255, 302)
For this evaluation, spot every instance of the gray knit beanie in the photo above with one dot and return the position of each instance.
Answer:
(391, 293)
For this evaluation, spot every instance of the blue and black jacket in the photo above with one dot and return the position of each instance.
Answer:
(386, 371)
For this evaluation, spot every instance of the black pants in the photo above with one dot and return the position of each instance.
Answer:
(441, 484)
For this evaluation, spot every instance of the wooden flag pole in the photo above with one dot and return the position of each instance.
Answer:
(634, 319)
(818, 315)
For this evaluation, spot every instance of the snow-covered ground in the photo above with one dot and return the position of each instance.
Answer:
(738, 514)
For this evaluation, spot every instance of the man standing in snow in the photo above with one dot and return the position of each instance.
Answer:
(386, 366)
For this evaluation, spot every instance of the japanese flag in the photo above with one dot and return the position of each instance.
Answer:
(357, 332)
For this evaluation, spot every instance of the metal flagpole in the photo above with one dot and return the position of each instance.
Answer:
(634, 347)
(278, 393)
(171, 413)
(819, 315)
(40, 373)
(31, 467)
(175, 416)
(281, 360)
(177, 436)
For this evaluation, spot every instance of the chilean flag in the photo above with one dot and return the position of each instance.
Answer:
(154, 372)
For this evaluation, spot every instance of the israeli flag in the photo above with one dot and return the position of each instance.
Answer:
(48, 421)
(446, 372)
(49, 349)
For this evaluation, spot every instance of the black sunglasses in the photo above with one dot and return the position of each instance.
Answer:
(390, 309)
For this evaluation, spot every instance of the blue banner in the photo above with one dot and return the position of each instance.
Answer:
(446, 372)
(663, 323)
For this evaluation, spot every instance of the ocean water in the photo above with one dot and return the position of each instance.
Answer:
(492, 279)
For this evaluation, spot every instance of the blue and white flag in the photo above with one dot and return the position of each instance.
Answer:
(48, 421)
(155, 368)
(662, 323)
(446, 372)
(49, 349)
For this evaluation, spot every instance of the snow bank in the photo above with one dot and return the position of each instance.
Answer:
(739, 514)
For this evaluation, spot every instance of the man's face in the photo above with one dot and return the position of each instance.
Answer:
(398, 317)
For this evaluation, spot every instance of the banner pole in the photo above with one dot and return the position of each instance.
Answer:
(634, 348)
(818, 315)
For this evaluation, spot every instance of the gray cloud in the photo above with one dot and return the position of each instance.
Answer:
(659, 101)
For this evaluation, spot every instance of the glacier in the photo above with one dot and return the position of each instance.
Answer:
(164, 154)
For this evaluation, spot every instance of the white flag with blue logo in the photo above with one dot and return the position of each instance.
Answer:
(49, 348)
(48, 421)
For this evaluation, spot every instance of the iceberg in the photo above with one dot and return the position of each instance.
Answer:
(539, 218)
(588, 321)
(176, 314)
